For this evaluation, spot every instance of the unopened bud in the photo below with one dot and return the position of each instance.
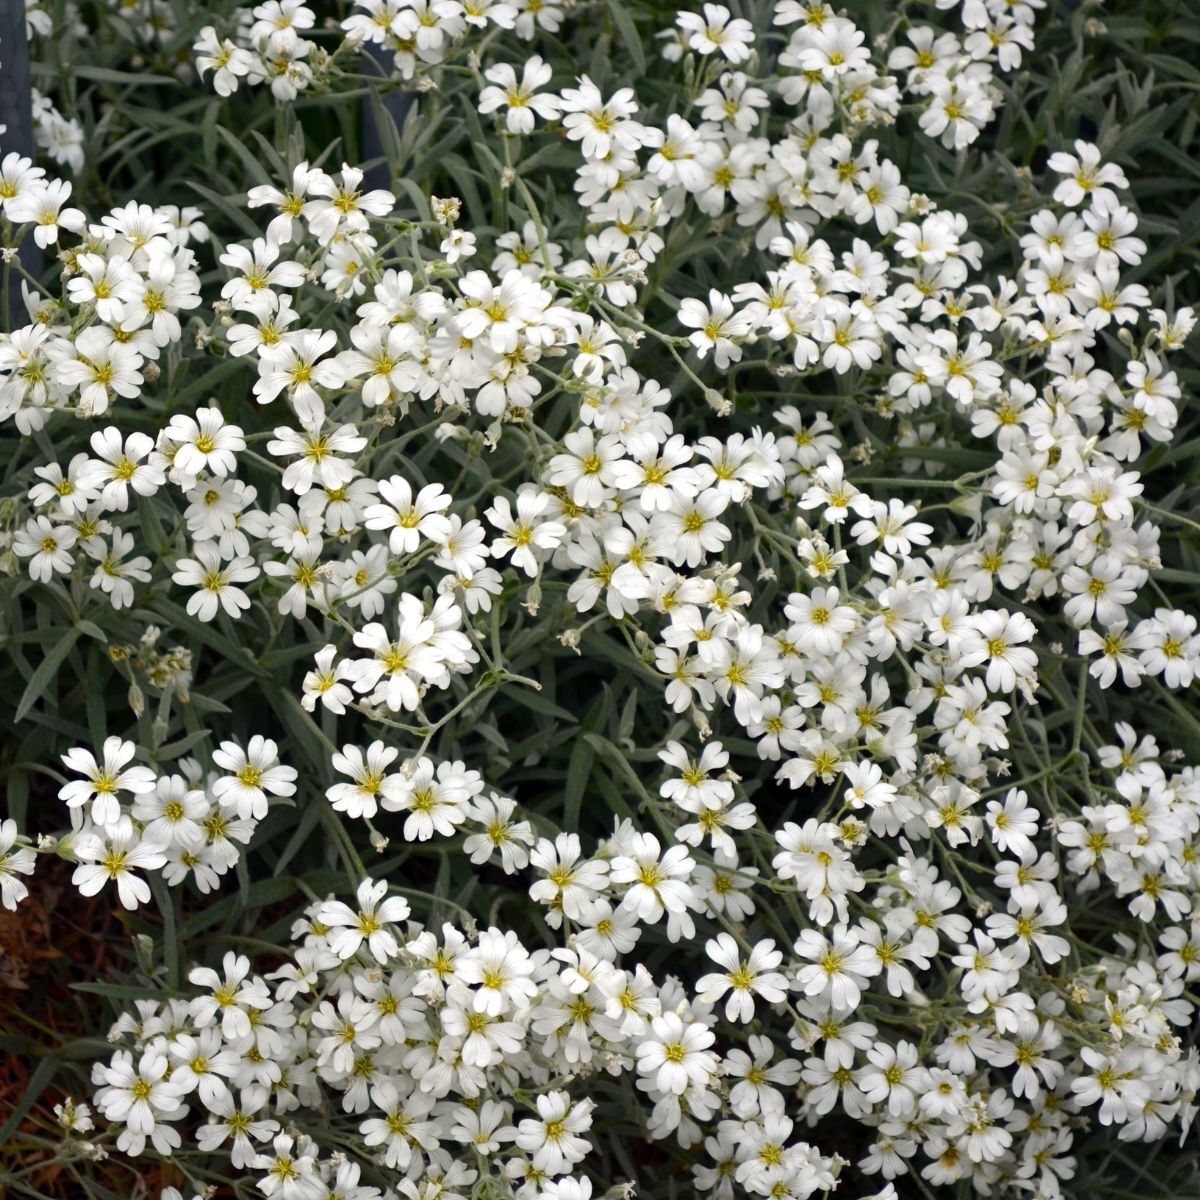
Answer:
(718, 403)
(966, 506)
(533, 599)
(144, 948)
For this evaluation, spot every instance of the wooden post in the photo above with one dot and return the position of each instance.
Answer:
(16, 112)
(396, 104)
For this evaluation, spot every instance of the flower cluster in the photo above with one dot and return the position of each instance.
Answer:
(126, 819)
(868, 784)
(421, 1040)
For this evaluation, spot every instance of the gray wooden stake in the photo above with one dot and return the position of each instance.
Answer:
(16, 111)
(395, 102)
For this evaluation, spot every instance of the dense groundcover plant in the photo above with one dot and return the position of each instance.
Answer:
(598, 601)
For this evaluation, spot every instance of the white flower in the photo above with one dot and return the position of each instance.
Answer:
(106, 283)
(202, 1064)
(290, 1171)
(402, 1131)
(372, 782)
(73, 1117)
(690, 528)
(716, 31)
(367, 923)
(113, 856)
(296, 366)
(408, 519)
(113, 575)
(1087, 178)
(997, 641)
(47, 546)
(553, 1137)
(399, 667)
(434, 797)
(834, 48)
(524, 533)
(252, 773)
(494, 814)
(217, 581)
(599, 124)
(63, 487)
(385, 355)
(458, 243)
(894, 1076)
(119, 467)
(142, 1098)
(840, 966)
(519, 98)
(657, 882)
(205, 442)
(1013, 823)
(1114, 1083)
(167, 287)
(103, 783)
(676, 1056)
(501, 970)
(819, 623)
(323, 684)
(173, 812)
(587, 468)
(716, 327)
(342, 206)
(742, 978)
(230, 995)
(695, 789)
(15, 860)
(229, 1119)
(44, 207)
(257, 271)
(318, 453)
(227, 61)
(571, 882)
